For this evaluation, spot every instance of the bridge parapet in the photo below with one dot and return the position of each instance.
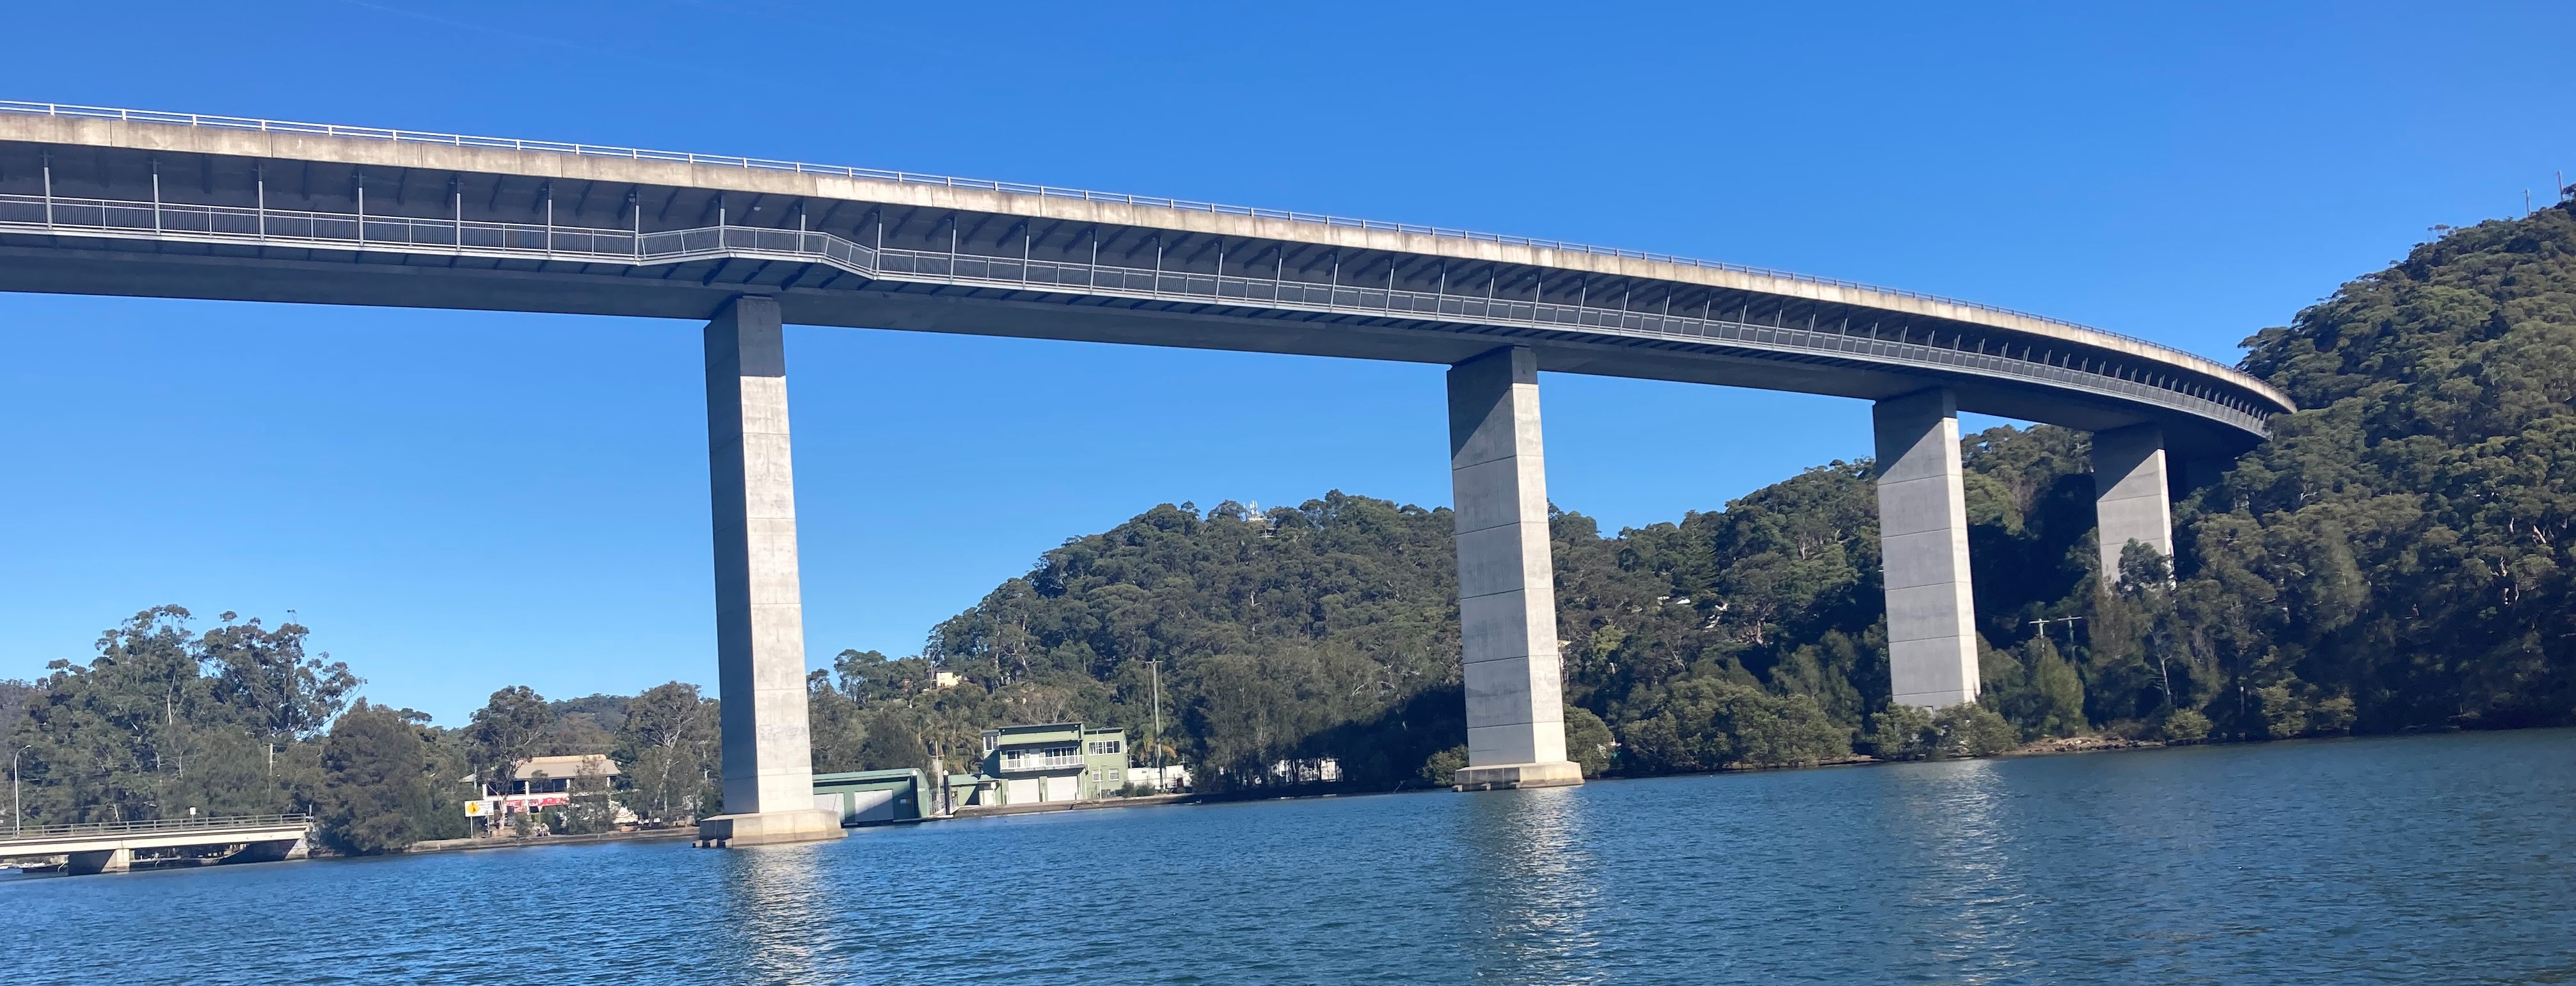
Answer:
(106, 847)
(627, 231)
(1951, 349)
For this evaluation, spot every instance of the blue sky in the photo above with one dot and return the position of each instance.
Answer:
(462, 501)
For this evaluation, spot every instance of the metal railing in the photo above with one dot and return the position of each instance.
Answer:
(154, 826)
(1041, 763)
(1011, 188)
(328, 230)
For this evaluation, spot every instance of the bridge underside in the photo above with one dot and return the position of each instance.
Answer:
(129, 208)
(85, 854)
(816, 294)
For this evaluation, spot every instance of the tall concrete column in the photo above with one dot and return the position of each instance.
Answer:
(1923, 537)
(1506, 579)
(760, 619)
(2132, 495)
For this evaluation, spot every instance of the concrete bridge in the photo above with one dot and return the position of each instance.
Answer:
(122, 202)
(109, 847)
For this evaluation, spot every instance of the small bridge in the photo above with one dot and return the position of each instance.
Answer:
(109, 847)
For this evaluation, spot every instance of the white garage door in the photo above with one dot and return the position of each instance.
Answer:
(1063, 788)
(1020, 791)
(871, 806)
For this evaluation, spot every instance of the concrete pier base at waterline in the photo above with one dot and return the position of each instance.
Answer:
(2133, 496)
(117, 860)
(1506, 577)
(1923, 540)
(768, 827)
(760, 619)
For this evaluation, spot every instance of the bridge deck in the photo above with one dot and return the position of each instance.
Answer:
(119, 202)
(58, 840)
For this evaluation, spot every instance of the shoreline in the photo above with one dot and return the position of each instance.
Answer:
(471, 845)
(2050, 747)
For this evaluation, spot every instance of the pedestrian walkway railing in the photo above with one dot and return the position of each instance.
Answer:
(1954, 351)
(981, 184)
(152, 826)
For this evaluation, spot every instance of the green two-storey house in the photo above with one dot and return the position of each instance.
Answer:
(1060, 761)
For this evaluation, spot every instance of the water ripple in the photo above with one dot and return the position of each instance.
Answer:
(2437, 858)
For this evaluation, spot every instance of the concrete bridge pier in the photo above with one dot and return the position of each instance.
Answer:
(1506, 577)
(760, 618)
(96, 861)
(1923, 538)
(2133, 494)
(271, 851)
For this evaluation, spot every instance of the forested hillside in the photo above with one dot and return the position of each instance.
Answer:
(2396, 558)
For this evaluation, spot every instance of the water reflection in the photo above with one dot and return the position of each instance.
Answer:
(1963, 902)
(775, 899)
(1532, 880)
(2429, 859)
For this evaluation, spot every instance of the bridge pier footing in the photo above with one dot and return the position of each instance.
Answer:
(2133, 497)
(1506, 577)
(272, 851)
(760, 618)
(1923, 543)
(116, 860)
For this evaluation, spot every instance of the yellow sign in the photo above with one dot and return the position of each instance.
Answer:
(475, 809)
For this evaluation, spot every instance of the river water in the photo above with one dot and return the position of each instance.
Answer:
(2443, 858)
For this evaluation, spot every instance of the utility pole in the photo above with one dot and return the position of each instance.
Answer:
(2043, 623)
(17, 815)
(1161, 782)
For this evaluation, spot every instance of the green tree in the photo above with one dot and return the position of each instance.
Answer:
(2056, 706)
(509, 728)
(1441, 769)
(1709, 721)
(265, 676)
(376, 781)
(1972, 730)
(668, 748)
(1587, 741)
(1902, 732)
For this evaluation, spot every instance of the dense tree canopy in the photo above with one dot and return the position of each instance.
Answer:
(164, 720)
(379, 784)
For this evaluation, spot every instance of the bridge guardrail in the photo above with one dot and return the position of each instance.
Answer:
(329, 230)
(1008, 188)
(154, 825)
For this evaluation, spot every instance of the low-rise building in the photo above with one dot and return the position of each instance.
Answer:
(1163, 779)
(874, 797)
(1061, 761)
(540, 783)
(1322, 770)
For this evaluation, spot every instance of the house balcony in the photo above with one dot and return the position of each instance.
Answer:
(1036, 762)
